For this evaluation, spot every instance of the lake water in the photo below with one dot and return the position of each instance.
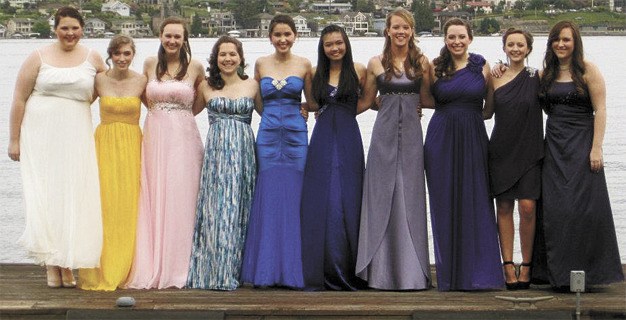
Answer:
(606, 52)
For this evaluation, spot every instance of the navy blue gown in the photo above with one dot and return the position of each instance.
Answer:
(272, 254)
(331, 198)
(467, 253)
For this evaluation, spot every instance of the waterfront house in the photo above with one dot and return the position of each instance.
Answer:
(94, 27)
(301, 26)
(117, 7)
(20, 25)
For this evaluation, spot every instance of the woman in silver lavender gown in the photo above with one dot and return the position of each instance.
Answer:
(393, 240)
(228, 170)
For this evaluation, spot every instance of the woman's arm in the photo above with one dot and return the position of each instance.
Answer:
(200, 101)
(310, 105)
(597, 92)
(367, 98)
(426, 97)
(488, 108)
(24, 86)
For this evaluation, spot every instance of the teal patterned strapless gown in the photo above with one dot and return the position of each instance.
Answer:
(225, 196)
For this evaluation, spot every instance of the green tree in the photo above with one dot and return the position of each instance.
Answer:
(246, 11)
(423, 14)
(489, 26)
(43, 28)
(535, 5)
(196, 25)
(499, 7)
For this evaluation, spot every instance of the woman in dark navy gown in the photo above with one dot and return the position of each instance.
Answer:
(333, 176)
(515, 153)
(455, 151)
(577, 219)
(272, 253)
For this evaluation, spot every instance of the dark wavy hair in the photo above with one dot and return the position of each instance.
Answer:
(115, 43)
(526, 34)
(282, 18)
(412, 65)
(215, 78)
(68, 12)
(551, 61)
(444, 65)
(185, 52)
(348, 79)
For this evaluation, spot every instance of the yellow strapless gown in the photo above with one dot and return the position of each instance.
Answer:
(118, 147)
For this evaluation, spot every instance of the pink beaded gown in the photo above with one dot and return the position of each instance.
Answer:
(171, 161)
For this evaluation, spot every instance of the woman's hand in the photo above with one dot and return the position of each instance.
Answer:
(498, 69)
(14, 150)
(304, 112)
(595, 160)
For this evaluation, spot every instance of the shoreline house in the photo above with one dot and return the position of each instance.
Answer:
(131, 27)
(95, 27)
(301, 26)
(117, 7)
(22, 26)
(330, 7)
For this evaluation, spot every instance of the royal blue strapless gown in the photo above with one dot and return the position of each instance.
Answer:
(467, 253)
(331, 198)
(272, 254)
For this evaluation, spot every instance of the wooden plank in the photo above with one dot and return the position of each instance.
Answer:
(23, 293)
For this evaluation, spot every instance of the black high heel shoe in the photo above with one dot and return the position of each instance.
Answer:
(525, 285)
(510, 285)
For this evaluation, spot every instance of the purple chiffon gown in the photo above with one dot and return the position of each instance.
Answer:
(467, 253)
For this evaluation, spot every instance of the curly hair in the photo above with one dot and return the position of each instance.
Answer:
(444, 65)
(185, 52)
(215, 78)
(412, 65)
(551, 61)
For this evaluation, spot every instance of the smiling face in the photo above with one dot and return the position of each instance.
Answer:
(399, 31)
(334, 46)
(282, 37)
(123, 56)
(228, 59)
(68, 32)
(457, 40)
(172, 38)
(563, 46)
(516, 47)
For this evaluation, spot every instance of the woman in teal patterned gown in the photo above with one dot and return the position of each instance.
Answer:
(228, 171)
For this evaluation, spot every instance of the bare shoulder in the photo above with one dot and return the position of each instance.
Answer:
(196, 65)
(591, 70)
(139, 78)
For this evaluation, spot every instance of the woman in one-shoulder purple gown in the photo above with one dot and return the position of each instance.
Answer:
(455, 154)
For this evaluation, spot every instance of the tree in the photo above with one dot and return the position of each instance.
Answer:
(489, 26)
(500, 7)
(43, 28)
(535, 4)
(196, 25)
(246, 11)
(424, 19)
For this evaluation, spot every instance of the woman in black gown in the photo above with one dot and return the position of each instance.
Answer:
(577, 219)
(515, 152)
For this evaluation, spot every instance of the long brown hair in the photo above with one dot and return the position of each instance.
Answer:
(444, 65)
(185, 52)
(412, 64)
(115, 43)
(551, 61)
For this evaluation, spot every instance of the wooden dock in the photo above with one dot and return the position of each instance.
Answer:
(24, 295)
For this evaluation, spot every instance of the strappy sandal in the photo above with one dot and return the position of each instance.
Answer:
(510, 285)
(525, 285)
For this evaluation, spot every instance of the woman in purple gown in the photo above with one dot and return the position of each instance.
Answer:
(393, 236)
(333, 176)
(577, 223)
(455, 154)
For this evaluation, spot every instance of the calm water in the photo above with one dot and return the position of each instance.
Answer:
(604, 51)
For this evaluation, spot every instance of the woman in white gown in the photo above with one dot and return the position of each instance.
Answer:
(51, 134)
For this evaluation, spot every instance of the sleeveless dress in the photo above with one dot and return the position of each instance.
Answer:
(118, 147)
(331, 198)
(393, 240)
(467, 253)
(60, 170)
(171, 161)
(516, 144)
(577, 221)
(225, 197)
(272, 254)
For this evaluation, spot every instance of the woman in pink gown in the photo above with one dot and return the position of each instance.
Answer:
(171, 161)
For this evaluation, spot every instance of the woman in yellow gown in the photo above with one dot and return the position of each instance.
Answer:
(118, 147)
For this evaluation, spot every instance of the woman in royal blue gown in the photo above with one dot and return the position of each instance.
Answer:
(272, 254)
(455, 151)
(333, 176)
